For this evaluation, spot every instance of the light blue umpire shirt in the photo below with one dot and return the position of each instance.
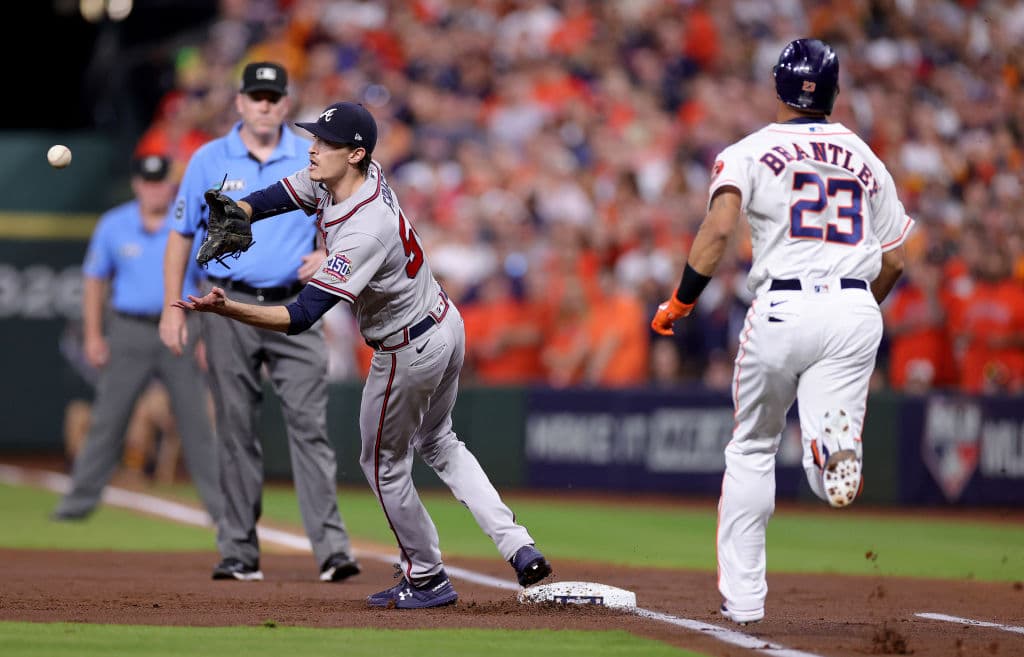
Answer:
(278, 242)
(131, 257)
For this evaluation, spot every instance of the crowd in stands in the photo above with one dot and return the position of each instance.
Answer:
(555, 159)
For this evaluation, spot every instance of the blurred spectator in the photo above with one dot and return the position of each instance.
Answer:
(176, 130)
(617, 332)
(571, 136)
(503, 336)
(567, 342)
(665, 369)
(921, 354)
(988, 328)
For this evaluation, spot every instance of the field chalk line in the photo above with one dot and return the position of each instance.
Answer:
(187, 515)
(970, 621)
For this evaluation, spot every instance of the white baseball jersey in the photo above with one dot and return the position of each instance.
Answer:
(374, 256)
(819, 202)
(822, 209)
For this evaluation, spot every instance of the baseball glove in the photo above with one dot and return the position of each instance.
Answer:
(229, 231)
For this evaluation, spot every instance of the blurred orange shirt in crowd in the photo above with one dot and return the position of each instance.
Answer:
(619, 325)
(923, 354)
(984, 324)
(573, 34)
(503, 341)
(173, 133)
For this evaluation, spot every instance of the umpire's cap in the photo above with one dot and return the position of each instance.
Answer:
(153, 168)
(807, 75)
(264, 76)
(345, 123)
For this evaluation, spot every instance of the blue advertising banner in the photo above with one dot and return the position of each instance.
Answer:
(648, 440)
(962, 450)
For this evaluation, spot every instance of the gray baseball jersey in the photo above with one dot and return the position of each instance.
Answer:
(375, 261)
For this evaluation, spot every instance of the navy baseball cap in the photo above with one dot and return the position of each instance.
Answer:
(264, 76)
(154, 168)
(345, 123)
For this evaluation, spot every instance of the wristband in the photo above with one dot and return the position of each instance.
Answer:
(691, 285)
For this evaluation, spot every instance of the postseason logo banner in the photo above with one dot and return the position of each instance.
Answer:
(641, 440)
(963, 450)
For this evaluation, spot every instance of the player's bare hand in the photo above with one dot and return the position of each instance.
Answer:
(311, 263)
(97, 351)
(213, 302)
(668, 312)
(173, 330)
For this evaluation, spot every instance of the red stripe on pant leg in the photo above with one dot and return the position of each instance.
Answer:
(736, 423)
(376, 464)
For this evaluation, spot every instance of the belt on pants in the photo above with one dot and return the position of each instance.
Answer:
(410, 333)
(794, 284)
(261, 293)
(139, 317)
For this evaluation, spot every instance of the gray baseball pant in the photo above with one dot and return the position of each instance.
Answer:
(136, 355)
(297, 365)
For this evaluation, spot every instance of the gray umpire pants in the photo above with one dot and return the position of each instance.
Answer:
(297, 364)
(136, 355)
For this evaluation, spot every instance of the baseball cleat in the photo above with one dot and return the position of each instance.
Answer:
(338, 567)
(531, 566)
(741, 618)
(436, 592)
(232, 568)
(838, 455)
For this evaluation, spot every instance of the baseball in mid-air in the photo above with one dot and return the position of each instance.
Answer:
(59, 156)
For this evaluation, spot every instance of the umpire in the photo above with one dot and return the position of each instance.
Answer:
(257, 152)
(123, 263)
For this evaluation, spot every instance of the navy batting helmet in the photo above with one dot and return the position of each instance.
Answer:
(807, 75)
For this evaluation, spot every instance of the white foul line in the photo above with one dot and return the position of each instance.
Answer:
(726, 635)
(187, 515)
(971, 621)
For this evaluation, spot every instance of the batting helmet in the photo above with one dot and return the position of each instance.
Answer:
(807, 75)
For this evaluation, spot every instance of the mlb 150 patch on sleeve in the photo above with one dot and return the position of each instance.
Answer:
(339, 266)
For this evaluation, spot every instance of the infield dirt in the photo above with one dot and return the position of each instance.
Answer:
(833, 616)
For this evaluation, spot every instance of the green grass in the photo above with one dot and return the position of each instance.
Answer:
(846, 543)
(819, 541)
(24, 513)
(83, 640)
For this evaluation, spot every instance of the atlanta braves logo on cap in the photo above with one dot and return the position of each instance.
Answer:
(345, 123)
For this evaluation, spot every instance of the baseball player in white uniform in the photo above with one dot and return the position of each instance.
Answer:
(375, 262)
(827, 231)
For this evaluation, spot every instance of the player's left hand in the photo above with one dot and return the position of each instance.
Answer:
(213, 302)
(668, 312)
(311, 263)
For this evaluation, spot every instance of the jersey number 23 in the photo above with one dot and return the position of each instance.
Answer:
(840, 197)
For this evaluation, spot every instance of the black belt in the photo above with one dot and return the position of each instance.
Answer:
(261, 293)
(138, 317)
(794, 284)
(415, 331)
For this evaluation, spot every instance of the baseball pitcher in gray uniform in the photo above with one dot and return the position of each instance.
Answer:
(376, 262)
